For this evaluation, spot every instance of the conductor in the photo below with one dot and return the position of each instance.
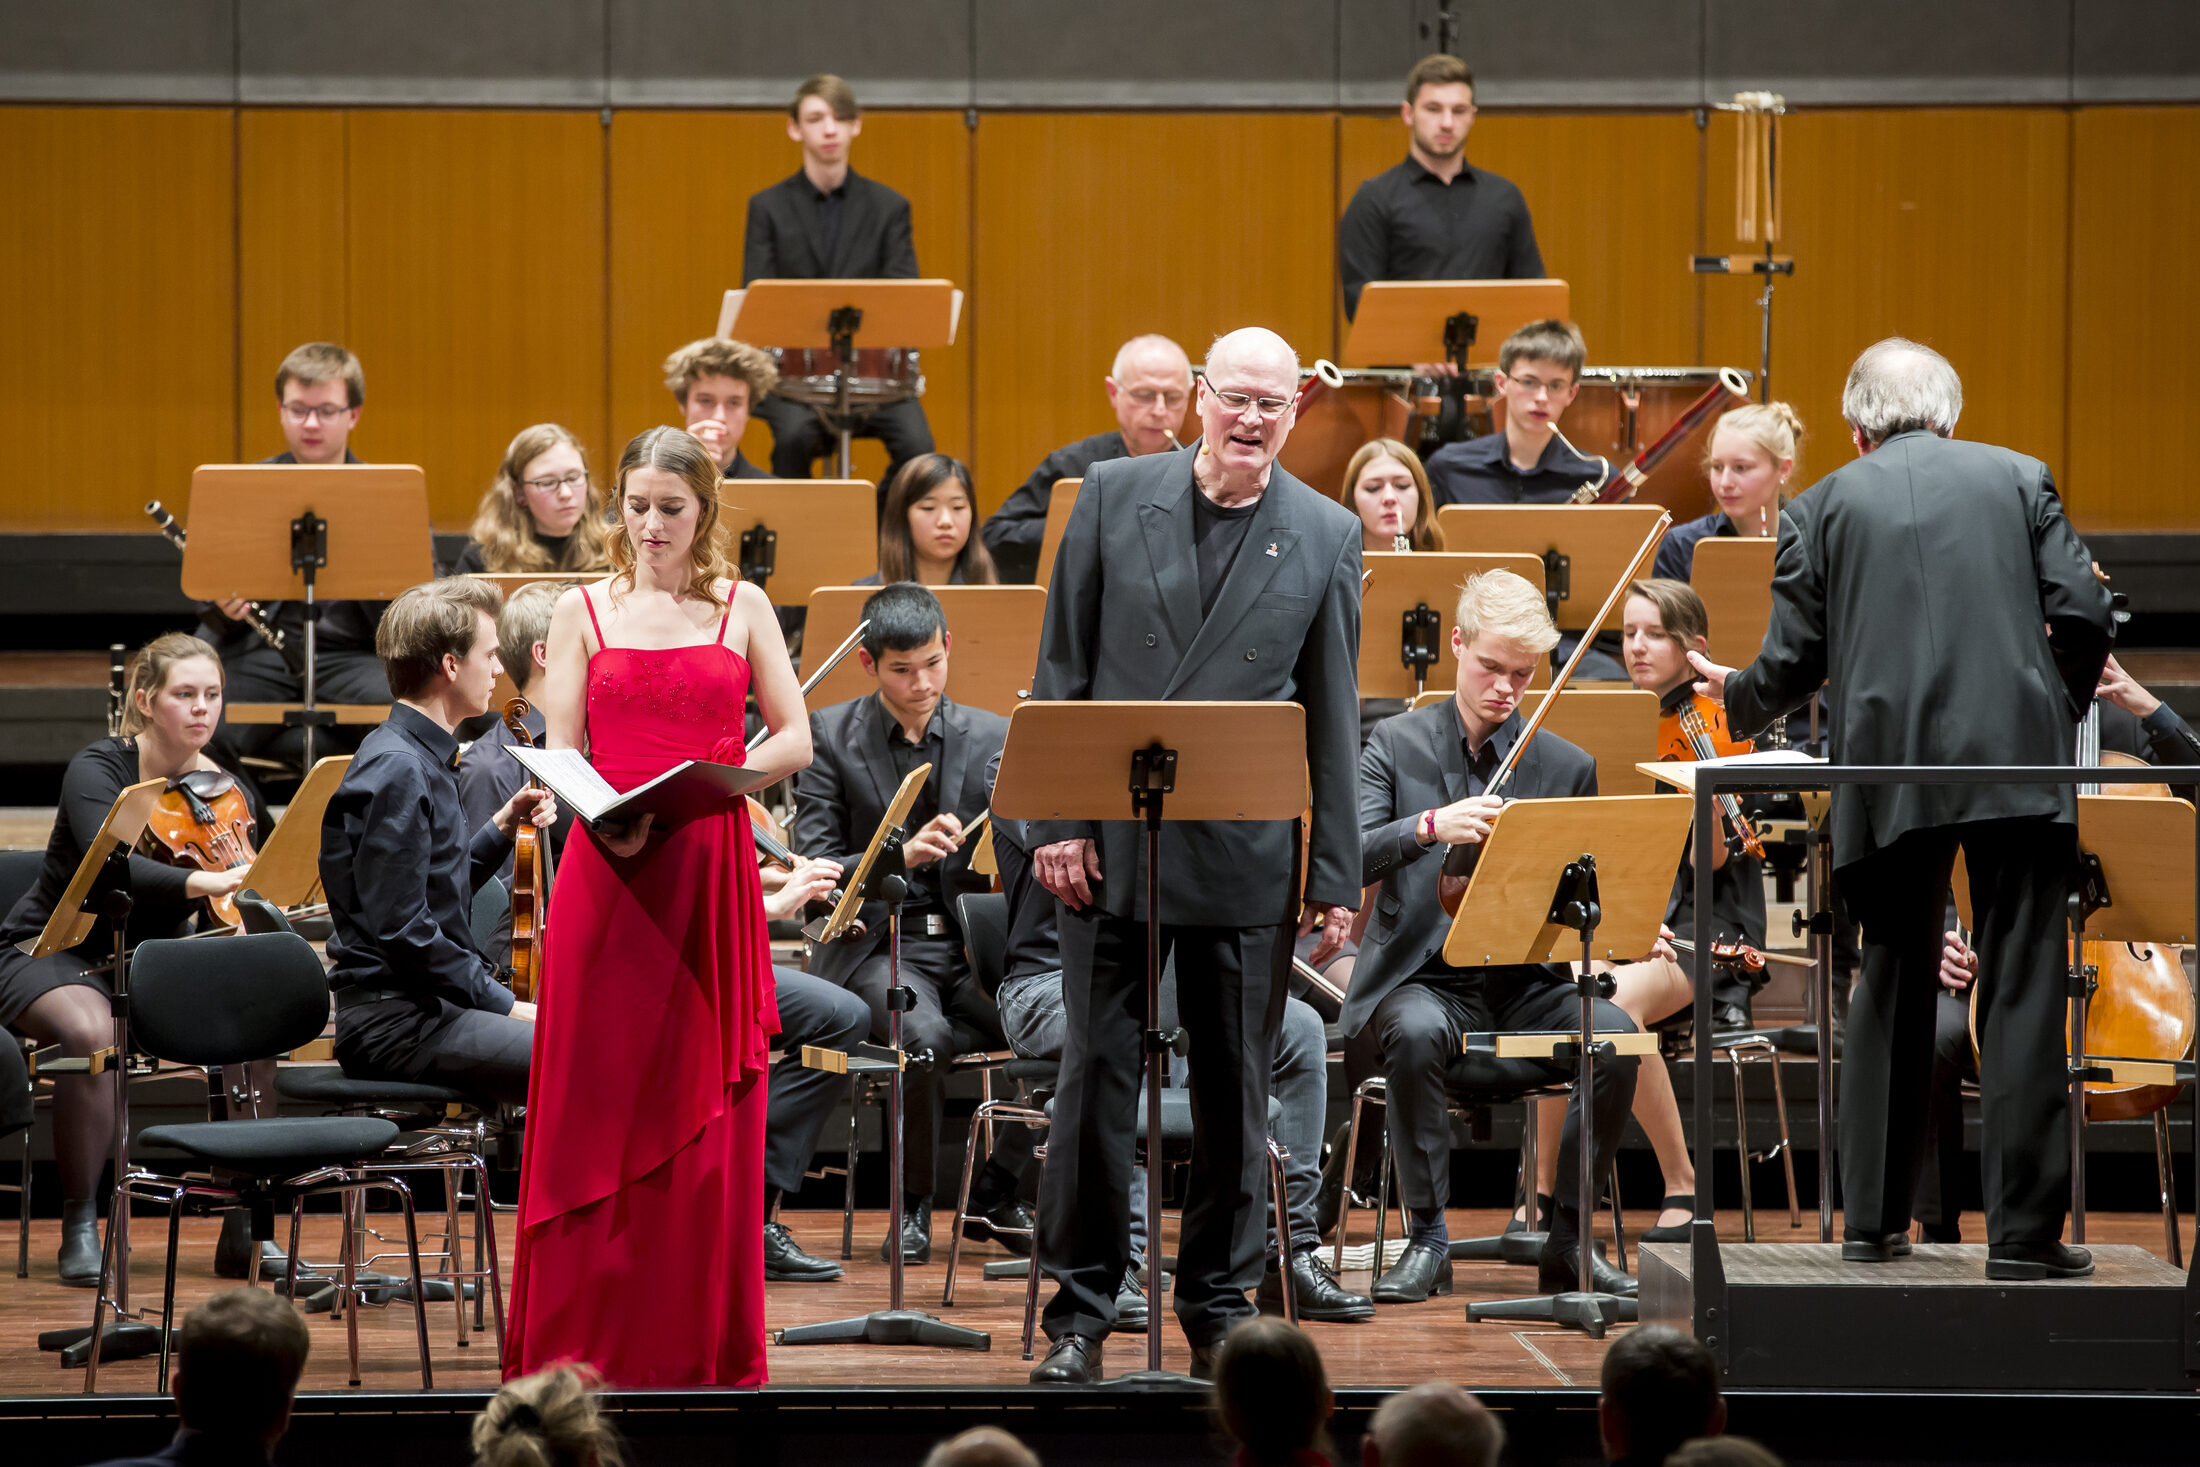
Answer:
(1204, 574)
(1938, 593)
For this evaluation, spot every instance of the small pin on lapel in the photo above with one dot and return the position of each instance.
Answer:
(1271, 547)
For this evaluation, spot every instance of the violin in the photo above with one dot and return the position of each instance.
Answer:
(203, 819)
(532, 872)
(1697, 730)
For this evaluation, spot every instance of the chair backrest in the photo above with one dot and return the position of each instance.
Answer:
(226, 1000)
(260, 915)
(491, 918)
(18, 874)
(984, 917)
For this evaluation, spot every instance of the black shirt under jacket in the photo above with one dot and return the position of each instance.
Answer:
(1405, 223)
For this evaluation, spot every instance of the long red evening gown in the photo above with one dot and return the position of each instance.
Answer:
(641, 1214)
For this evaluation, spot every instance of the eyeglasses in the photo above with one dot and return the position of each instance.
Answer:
(1147, 397)
(1238, 402)
(300, 412)
(1535, 386)
(572, 479)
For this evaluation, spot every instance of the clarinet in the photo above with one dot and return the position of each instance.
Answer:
(255, 612)
(118, 682)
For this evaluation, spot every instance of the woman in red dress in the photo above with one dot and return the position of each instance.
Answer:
(641, 1207)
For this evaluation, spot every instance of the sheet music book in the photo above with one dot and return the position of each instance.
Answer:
(688, 789)
(1681, 773)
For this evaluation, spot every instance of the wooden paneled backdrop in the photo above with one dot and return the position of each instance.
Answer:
(495, 269)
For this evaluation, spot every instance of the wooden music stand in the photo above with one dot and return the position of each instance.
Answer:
(996, 642)
(1617, 727)
(830, 313)
(288, 869)
(70, 924)
(1734, 577)
(792, 535)
(307, 532)
(1600, 870)
(831, 929)
(1205, 761)
(1060, 502)
(1588, 544)
(1463, 322)
(1425, 585)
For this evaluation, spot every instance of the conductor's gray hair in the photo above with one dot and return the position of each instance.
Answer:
(1901, 386)
(1147, 345)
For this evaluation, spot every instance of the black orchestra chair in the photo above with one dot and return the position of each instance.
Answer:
(985, 939)
(207, 1004)
(444, 1130)
(18, 874)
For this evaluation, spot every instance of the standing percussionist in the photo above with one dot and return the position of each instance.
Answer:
(1207, 574)
(1435, 216)
(1938, 593)
(827, 222)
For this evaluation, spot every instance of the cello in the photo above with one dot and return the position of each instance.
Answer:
(532, 872)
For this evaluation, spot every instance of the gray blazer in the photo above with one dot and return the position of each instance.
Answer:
(1414, 763)
(1919, 584)
(1123, 624)
(842, 796)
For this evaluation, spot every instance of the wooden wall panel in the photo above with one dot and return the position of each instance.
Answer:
(2135, 318)
(1946, 226)
(293, 258)
(1092, 228)
(117, 310)
(1613, 196)
(680, 183)
(477, 277)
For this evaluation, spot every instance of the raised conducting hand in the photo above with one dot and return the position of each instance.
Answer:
(940, 837)
(1068, 868)
(1710, 677)
(1468, 821)
(810, 881)
(1958, 964)
(1336, 922)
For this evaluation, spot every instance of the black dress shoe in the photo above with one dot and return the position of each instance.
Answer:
(786, 1263)
(1316, 1293)
(1130, 1305)
(916, 1235)
(1071, 1360)
(1556, 1271)
(2016, 1262)
(1423, 1269)
(1864, 1248)
(995, 1222)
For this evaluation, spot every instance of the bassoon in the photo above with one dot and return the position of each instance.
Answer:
(1624, 484)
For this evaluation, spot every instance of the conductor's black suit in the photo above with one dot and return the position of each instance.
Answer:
(1124, 622)
(1936, 590)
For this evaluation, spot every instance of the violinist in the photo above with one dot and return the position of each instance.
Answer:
(1937, 592)
(488, 775)
(1750, 465)
(415, 998)
(543, 512)
(1422, 778)
(174, 706)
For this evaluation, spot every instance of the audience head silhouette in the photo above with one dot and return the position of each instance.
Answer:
(1661, 1388)
(1724, 1451)
(1271, 1393)
(549, 1419)
(982, 1446)
(238, 1365)
(1435, 1424)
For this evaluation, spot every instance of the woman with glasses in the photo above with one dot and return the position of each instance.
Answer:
(543, 513)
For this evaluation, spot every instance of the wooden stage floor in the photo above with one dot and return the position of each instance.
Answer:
(1404, 1344)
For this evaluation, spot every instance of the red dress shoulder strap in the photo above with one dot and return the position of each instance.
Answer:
(724, 617)
(591, 605)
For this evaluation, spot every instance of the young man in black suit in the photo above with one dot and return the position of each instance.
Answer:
(865, 748)
(1935, 589)
(1207, 574)
(1149, 386)
(828, 222)
(1422, 779)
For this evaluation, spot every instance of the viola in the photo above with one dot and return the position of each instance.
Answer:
(1697, 729)
(532, 872)
(203, 820)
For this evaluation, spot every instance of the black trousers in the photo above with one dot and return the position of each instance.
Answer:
(799, 438)
(255, 673)
(1419, 1024)
(811, 1011)
(1231, 986)
(435, 1042)
(2020, 875)
(948, 995)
